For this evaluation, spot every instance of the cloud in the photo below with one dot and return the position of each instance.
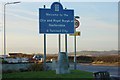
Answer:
(1, 27)
(23, 17)
(95, 23)
(19, 11)
(12, 15)
(62, 0)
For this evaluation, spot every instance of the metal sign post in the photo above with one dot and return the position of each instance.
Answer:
(59, 43)
(44, 49)
(65, 40)
(75, 61)
(66, 43)
(77, 23)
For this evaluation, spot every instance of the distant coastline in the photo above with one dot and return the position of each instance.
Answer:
(103, 64)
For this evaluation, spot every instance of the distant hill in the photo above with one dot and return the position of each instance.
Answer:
(96, 53)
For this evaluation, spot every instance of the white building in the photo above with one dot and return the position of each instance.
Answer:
(16, 60)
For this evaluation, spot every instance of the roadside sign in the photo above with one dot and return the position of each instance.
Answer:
(77, 33)
(56, 20)
(76, 23)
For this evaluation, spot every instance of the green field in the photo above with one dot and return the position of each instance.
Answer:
(48, 74)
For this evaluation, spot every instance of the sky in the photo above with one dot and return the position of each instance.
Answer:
(98, 26)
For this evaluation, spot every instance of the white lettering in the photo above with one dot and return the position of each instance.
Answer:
(56, 25)
(42, 20)
(55, 30)
(48, 14)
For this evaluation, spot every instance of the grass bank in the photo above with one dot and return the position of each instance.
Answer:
(48, 74)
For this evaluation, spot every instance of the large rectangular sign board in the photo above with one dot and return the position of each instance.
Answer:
(56, 20)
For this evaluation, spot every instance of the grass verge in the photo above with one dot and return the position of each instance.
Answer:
(48, 74)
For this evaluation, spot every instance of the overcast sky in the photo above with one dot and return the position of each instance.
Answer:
(99, 26)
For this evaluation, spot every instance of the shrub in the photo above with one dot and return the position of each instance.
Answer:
(9, 71)
(23, 70)
(3, 62)
(36, 67)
